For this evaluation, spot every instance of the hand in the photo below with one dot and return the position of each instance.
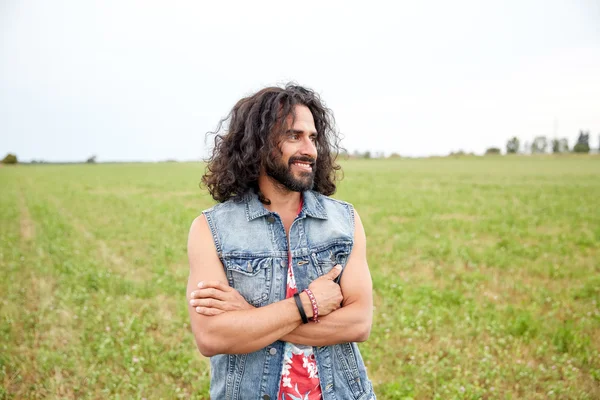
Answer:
(327, 293)
(215, 297)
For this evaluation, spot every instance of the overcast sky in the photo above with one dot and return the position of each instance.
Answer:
(145, 80)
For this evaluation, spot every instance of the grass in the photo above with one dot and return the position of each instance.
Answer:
(486, 278)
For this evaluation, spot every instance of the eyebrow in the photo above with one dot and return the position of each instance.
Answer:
(299, 132)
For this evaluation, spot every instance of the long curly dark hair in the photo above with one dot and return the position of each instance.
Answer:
(246, 139)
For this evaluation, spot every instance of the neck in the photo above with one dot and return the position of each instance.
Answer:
(282, 199)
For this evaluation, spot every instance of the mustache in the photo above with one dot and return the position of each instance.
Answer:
(305, 159)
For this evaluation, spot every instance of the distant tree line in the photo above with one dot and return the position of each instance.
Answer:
(363, 154)
(12, 159)
(542, 144)
(539, 145)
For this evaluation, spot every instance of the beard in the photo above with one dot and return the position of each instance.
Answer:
(283, 174)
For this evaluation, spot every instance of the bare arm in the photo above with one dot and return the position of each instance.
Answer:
(259, 327)
(352, 322)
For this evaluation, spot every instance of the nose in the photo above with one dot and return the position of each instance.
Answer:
(309, 148)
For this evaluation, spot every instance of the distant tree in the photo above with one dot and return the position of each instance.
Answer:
(367, 154)
(583, 142)
(394, 155)
(512, 146)
(492, 151)
(539, 145)
(10, 159)
(91, 160)
(560, 146)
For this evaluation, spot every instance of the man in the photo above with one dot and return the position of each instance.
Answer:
(279, 286)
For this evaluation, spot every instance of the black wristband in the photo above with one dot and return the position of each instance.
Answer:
(300, 308)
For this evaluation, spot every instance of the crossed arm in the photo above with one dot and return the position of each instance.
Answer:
(244, 329)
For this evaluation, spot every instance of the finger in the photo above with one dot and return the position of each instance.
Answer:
(210, 303)
(214, 284)
(208, 311)
(208, 293)
(334, 273)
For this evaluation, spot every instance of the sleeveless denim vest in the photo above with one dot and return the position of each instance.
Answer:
(253, 247)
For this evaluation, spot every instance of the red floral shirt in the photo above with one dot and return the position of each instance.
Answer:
(299, 374)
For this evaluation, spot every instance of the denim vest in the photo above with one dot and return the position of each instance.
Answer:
(253, 247)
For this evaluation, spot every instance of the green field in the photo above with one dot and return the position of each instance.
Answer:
(486, 277)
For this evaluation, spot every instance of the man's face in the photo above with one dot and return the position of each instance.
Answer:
(296, 166)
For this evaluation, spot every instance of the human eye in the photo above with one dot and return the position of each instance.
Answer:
(293, 135)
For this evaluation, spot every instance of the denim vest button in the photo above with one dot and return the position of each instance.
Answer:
(273, 351)
(266, 397)
(270, 219)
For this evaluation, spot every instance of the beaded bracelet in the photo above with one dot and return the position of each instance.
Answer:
(313, 302)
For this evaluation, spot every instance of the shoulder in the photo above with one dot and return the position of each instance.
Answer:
(224, 207)
(202, 226)
(226, 212)
(330, 200)
(221, 217)
(336, 208)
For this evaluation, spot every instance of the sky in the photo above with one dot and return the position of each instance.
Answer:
(146, 80)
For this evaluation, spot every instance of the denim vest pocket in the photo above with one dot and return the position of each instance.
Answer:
(325, 258)
(251, 277)
(347, 360)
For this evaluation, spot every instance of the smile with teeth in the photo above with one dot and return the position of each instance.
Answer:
(303, 165)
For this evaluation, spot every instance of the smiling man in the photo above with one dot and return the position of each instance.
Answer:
(279, 287)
